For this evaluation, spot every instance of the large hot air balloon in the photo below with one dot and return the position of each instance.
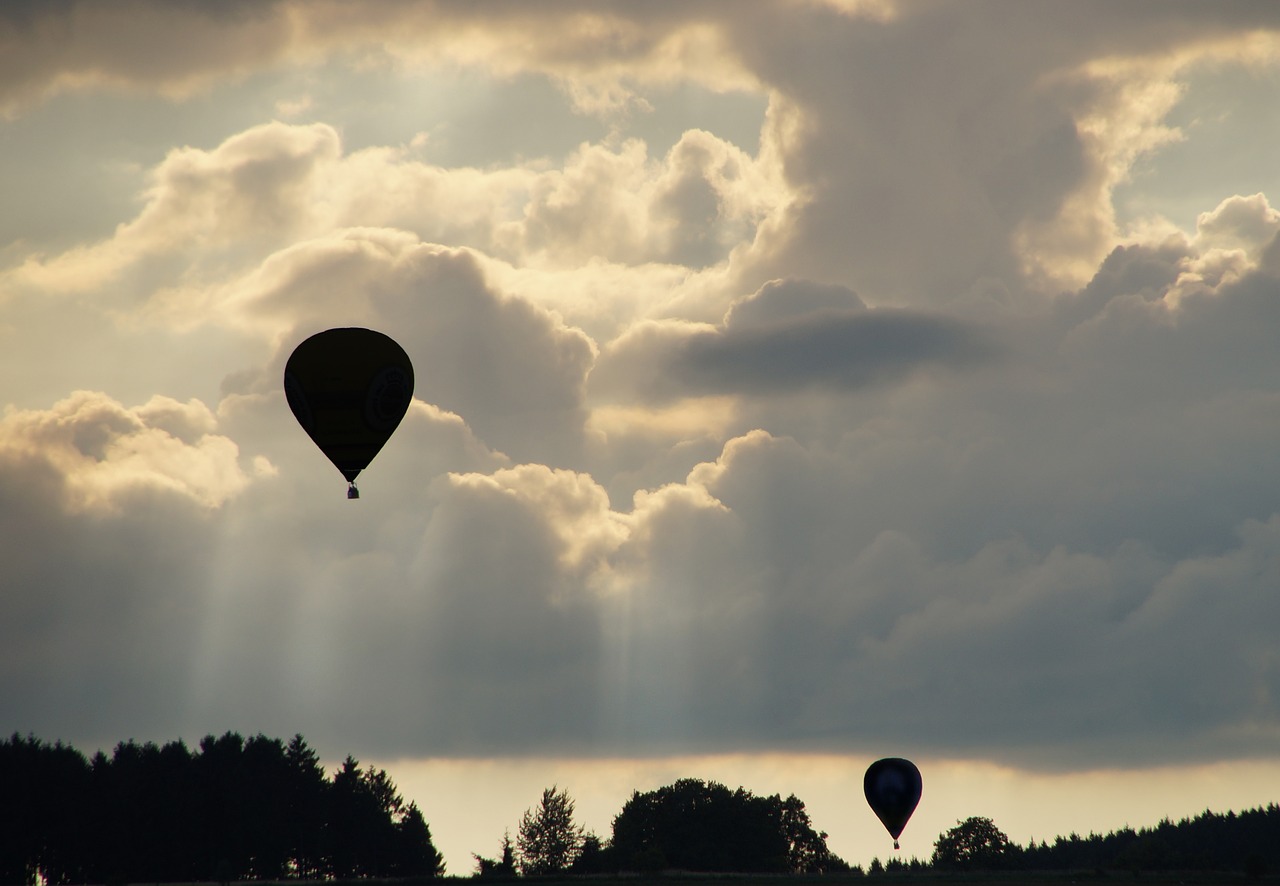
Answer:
(349, 388)
(892, 786)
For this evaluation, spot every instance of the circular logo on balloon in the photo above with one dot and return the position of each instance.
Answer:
(387, 399)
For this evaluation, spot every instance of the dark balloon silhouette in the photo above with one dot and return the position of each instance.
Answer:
(349, 388)
(893, 786)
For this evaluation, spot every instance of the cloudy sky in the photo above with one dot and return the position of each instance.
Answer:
(798, 383)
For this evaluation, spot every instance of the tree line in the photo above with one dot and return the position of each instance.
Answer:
(234, 809)
(691, 825)
(1248, 842)
(237, 809)
(705, 827)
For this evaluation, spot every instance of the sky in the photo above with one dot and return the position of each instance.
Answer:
(798, 383)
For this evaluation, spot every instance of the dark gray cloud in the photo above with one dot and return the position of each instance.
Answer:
(831, 349)
(171, 50)
(789, 336)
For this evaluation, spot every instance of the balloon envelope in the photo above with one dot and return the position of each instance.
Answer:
(893, 786)
(349, 388)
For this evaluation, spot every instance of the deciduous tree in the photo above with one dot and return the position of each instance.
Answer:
(807, 849)
(548, 840)
(703, 826)
(973, 843)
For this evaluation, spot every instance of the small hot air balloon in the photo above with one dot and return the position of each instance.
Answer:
(349, 388)
(892, 786)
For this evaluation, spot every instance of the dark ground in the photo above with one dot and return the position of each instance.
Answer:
(1046, 878)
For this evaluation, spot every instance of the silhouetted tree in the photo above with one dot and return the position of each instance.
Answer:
(973, 843)
(361, 830)
(594, 857)
(305, 801)
(44, 801)
(222, 784)
(237, 809)
(701, 826)
(267, 775)
(503, 867)
(548, 840)
(807, 851)
(1208, 842)
(416, 855)
(146, 797)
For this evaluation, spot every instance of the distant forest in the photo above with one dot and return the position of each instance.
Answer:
(264, 809)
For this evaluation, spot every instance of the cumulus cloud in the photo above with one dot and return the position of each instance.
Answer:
(1246, 223)
(204, 211)
(250, 235)
(1009, 168)
(705, 197)
(845, 186)
(108, 513)
(244, 216)
(775, 592)
(1008, 173)
(511, 369)
(105, 452)
(817, 625)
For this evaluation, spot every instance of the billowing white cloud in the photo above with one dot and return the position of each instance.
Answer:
(246, 216)
(106, 453)
(1245, 223)
(204, 208)
(704, 198)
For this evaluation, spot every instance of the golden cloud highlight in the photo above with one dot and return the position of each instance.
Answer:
(104, 452)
